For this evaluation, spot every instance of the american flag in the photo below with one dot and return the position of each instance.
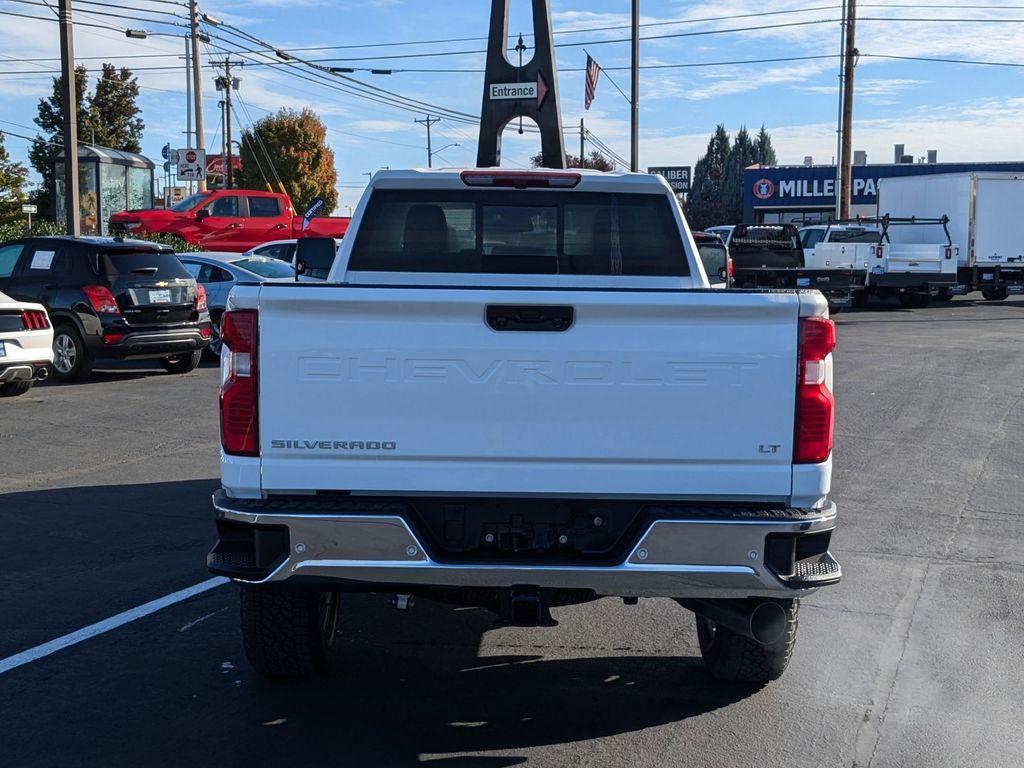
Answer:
(593, 73)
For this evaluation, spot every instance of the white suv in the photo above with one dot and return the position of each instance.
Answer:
(26, 345)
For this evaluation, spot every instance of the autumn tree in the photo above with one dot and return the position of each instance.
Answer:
(595, 160)
(290, 147)
(13, 177)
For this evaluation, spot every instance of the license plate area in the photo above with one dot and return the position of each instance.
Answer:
(162, 296)
(548, 531)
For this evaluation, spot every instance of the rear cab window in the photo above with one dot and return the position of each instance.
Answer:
(264, 207)
(539, 232)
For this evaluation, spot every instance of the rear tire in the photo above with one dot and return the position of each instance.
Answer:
(71, 360)
(944, 294)
(182, 363)
(15, 388)
(732, 657)
(289, 632)
(995, 294)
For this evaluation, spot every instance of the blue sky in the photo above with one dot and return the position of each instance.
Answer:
(965, 112)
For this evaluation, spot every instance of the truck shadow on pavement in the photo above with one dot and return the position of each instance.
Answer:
(425, 686)
(416, 689)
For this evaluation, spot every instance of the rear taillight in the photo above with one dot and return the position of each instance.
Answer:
(239, 417)
(519, 180)
(112, 337)
(200, 298)
(34, 320)
(729, 268)
(101, 299)
(879, 251)
(815, 406)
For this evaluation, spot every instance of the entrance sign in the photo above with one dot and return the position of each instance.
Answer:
(511, 92)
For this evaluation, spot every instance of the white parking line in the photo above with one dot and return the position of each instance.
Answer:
(32, 654)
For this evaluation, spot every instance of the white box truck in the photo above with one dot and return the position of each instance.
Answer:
(985, 224)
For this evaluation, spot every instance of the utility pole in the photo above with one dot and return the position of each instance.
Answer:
(429, 121)
(839, 114)
(583, 142)
(846, 154)
(188, 97)
(227, 83)
(634, 149)
(197, 82)
(70, 116)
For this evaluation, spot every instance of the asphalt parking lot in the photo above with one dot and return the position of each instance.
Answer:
(914, 659)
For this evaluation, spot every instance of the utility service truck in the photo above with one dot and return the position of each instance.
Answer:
(772, 256)
(985, 228)
(517, 391)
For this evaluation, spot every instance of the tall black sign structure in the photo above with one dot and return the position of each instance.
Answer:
(528, 91)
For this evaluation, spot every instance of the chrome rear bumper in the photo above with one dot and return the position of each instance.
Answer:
(719, 557)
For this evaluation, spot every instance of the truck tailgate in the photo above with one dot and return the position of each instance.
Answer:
(406, 389)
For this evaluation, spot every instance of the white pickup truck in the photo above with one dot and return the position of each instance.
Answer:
(517, 391)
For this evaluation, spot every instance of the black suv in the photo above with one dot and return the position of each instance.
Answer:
(109, 298)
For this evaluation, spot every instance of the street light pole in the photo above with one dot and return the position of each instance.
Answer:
(70, 118)
(634, 150)
(197, 84)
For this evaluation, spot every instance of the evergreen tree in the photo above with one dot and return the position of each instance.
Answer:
(291, 146)
(47, 146)
(113, 114)
(706, 204)
(108, 117)
(763, 150)
(595, 160)
(13, 176)
(741, 155)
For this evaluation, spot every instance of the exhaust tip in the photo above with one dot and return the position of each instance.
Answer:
(42, 374)
(768, 623)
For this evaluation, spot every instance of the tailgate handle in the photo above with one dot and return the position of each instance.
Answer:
(529, 318)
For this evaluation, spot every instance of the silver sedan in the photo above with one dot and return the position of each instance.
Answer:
(219, 272)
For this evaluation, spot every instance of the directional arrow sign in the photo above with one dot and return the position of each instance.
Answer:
(520, 91)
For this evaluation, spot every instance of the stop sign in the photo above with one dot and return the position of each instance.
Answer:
(190, 156)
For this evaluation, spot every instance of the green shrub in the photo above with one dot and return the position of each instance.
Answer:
(45, 227)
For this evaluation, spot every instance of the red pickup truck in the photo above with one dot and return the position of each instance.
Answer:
(229, 220)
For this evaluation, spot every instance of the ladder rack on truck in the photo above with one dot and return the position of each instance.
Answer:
(913, 271)
(985, 226)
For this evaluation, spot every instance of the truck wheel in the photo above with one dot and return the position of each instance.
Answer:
(289, 632)
(732, 657)
(182, 363)
(834, 309)
(15, 388)
(71, 360)
(995, 293)
(944, 294)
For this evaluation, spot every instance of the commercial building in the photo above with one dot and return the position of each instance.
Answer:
(807, 193)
